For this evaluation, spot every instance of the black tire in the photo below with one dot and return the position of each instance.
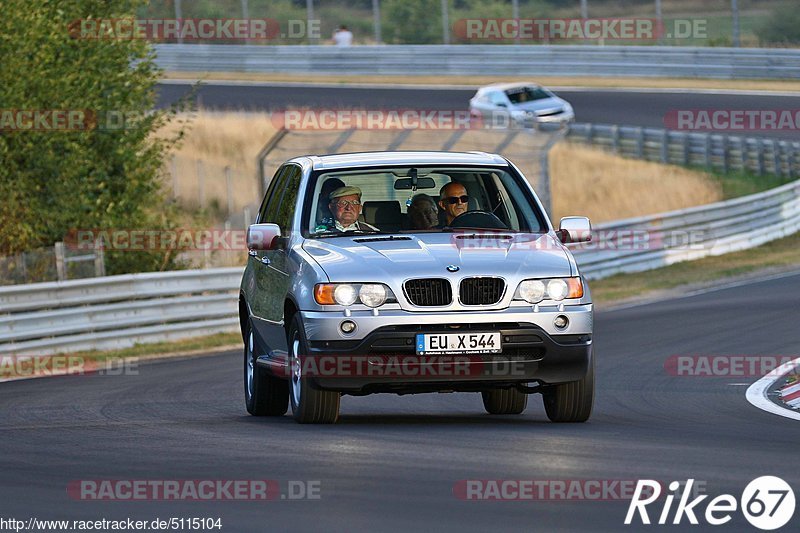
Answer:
(504, 401)
(265, 395)
(309, 405)
(571, 402)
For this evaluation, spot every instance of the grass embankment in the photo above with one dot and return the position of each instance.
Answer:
(476, 81)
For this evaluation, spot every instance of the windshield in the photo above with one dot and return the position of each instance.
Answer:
(418, 199)
(520, 95)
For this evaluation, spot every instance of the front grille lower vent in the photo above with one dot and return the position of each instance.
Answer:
(481, 291)
(428, 292)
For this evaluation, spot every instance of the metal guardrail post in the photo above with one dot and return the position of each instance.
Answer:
(615, 138)
(61, 264)
(99, 259)
(665, 147)
(640, 143)
(725, 145)
(707, 149)
(760, 156)
(686, 153)
(776, 157)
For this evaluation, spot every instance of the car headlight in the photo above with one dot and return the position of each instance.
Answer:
(532, 290)
(372, 295)
(535, 290)
(347, 294)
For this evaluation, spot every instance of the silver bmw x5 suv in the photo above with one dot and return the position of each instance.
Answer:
(409, 272)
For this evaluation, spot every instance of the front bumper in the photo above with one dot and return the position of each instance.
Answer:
(381, 355)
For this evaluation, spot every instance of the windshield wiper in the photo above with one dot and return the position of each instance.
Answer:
(348, 232)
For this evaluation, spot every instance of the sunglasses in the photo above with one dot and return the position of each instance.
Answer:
(453, 200)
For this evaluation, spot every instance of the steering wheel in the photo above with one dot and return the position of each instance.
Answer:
(477, 219)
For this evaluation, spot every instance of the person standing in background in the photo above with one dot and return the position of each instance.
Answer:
(343, 36)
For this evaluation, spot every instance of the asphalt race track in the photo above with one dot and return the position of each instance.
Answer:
(392, 462)
(624, 107)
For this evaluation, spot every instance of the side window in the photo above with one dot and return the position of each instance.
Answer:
(287, 205)
(498, 98)
(263, 214)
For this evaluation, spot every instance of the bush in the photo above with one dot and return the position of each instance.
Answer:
(55, 181)
(782, 27)
(412, 21)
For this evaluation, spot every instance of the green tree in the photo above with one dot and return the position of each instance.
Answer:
(782, 27)
(412, 21)
(53, 181)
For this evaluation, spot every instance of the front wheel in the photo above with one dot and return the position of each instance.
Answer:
(309, 405)
(504, 401)
(264, 394)
(571, 402)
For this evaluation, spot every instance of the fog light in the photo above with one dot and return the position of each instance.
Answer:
(561, 322)
(348, 326)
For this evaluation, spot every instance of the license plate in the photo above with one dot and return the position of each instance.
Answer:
(458, 343)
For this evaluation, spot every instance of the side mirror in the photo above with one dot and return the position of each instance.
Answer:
(263, 236)
(575, 229)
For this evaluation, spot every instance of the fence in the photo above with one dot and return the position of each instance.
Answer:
(486, 60)
(52, 263)
(722, 152)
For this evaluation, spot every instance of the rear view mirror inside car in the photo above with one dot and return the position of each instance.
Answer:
(422, 183)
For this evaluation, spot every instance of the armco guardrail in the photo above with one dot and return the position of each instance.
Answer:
(486, 60)
(711, 150)
(118, 311)
(644, 243)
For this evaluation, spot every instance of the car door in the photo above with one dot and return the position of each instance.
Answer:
(272, 269)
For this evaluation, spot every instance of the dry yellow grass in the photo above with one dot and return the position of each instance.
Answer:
(585, 181)
(217, 141)
(475, 81)
(604, 187)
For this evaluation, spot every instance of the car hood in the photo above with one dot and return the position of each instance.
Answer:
(545, 104)
(379, 259)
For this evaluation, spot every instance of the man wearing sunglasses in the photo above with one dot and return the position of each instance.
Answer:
(453, 200)
(345, 204)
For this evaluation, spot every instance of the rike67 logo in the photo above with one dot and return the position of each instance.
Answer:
(767, 503)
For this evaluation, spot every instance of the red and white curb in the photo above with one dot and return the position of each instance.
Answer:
(790, 394)
(757, 392)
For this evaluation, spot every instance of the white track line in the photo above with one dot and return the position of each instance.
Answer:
(757, 392)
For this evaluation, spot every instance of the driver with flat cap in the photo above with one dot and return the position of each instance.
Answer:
(345, 205)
